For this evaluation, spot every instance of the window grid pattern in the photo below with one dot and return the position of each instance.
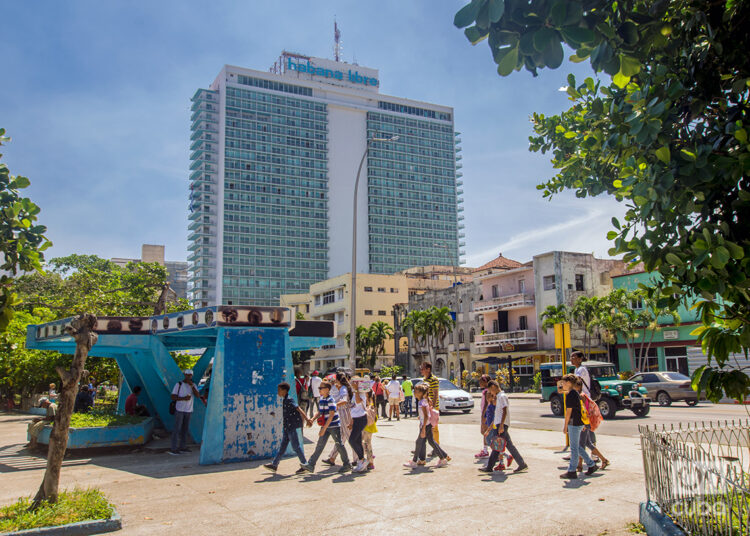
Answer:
(275, 194)
(412, 198)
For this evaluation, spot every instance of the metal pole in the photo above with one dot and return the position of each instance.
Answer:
(353, 290)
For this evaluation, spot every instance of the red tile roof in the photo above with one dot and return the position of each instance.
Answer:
(500, 263)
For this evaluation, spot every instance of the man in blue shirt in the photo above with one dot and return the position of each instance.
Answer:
(330, 426)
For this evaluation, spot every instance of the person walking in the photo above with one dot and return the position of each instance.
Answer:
(407, 387)
(183, 394)
(342, 394)
(588, 406)
(577, 359)
(314, 388)
(370, 430)
(394, 398)
(433, 395)
(483, 424)
(329, 427)
(499, 428)
(425, 432)
(574, 425)
(292, 419)
(379, 391)
(358, 410)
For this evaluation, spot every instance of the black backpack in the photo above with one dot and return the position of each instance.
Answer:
(173, 403)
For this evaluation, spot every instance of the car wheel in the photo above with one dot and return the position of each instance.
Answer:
(692, 401)
(555, 404)
(663, 399)
(466, 410)
(607, 407)
(642, 411)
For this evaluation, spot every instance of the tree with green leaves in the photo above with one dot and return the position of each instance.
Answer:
(583, 313)
(377, 334)
(439, 323)
(667, 135)
(362, 344)
(415, 326)
(22, 240)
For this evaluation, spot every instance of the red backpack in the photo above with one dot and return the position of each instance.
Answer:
(592, 408)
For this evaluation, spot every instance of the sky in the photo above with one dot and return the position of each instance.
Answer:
(96, 98)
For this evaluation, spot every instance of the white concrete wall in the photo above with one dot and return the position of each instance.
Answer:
(347, 129)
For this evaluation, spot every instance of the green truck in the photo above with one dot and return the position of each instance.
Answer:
(617, 394)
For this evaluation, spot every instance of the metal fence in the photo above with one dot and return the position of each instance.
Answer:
(699, 475)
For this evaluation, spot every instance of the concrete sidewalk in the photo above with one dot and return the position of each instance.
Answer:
(157, 493)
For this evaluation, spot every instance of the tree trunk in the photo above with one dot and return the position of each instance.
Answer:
(81, 329)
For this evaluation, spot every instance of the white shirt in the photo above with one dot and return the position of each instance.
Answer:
(315, 382)
(583, 373)
(358, 409)
(502, 402)
(184, 389)
(394, 389)
(423, 404)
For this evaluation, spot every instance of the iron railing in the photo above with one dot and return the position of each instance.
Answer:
(699, 475)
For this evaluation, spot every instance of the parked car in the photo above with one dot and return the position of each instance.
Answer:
(451, 397)
(616, 394)
(666, 387)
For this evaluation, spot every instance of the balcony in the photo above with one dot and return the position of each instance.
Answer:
(459, 182)
(505, 303)
(522, 336)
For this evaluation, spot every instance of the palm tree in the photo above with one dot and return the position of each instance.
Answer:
(414, 324)
(362, 344)
(378, 333)
(585, 310)
(554, 314)
(439, 323)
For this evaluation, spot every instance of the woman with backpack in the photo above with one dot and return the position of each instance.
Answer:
(428, 417)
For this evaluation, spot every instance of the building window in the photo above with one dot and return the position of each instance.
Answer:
(472, 334)
(523, 322)
(549, 282)
(636, 304)
(460, 336)
(329, 297)
(382, 313)
(317, 299)
(340, 294)
(494, 291)
(381, 289)
(579, 282)
(368, 312)
(368, 289)
(495, 326)
(394, 290)
(521, 286)
(651, 360)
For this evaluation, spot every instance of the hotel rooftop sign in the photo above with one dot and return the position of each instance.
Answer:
(330, 72)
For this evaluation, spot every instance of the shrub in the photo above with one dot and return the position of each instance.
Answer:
(71, 507)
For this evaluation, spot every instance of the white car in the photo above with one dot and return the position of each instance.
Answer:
(451, 397)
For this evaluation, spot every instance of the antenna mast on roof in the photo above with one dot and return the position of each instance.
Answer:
(336, 41)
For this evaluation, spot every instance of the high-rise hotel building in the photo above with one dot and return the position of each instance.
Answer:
(274, 157)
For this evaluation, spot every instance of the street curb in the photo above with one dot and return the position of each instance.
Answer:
(82, 528)
(656, 522)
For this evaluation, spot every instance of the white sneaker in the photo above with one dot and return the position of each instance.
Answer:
(410, 464)
(361, 466)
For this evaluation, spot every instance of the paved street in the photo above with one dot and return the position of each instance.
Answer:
(529, 413)
(156, 493)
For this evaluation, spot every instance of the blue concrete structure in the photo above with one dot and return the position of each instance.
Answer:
(251, 348)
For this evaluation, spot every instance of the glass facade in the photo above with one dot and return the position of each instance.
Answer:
(275, 195)
(413, 201)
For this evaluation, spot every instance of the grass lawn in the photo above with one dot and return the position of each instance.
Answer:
(71, 507)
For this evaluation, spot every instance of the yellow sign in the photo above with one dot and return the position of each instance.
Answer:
(562, 336)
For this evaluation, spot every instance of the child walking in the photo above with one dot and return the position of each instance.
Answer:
(483, 380)
(292, 417)
(499, 429)
(329, 427)
(370, 429)
(425, 432)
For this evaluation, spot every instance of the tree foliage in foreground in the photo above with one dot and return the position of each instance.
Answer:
(668, 137)
(22, 240)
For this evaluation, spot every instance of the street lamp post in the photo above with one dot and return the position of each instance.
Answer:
(353, 303)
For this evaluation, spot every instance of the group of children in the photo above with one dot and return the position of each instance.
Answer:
(347, 414)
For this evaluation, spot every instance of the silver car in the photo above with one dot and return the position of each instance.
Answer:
(451, 397)
(666, 387)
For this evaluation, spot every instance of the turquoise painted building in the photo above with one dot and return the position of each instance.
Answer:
(673, 347)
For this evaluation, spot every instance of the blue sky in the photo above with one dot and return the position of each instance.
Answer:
(96, 96)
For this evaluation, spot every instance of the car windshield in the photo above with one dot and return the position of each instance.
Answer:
(600, 372)
(445, 385)
(675, 376)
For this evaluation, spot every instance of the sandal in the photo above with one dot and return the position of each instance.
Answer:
(605, 463)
